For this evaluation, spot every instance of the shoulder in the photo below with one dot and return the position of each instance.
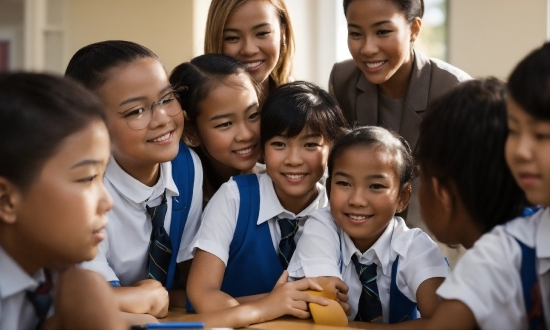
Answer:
(345, 72)
(441, 71)
(405, 241)
(322, 219)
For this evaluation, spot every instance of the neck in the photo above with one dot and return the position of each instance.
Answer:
(222, 171)
(397, 86)
(265, 90)
(27, 256)
(148, 174)
(296, 204)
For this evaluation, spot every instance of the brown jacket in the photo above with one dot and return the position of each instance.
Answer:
(358, 98)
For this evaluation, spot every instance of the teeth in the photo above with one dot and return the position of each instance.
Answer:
(357, 217)
(374, 65)
(252, 65)
(244, 151)
(294, 176)
(162, 138)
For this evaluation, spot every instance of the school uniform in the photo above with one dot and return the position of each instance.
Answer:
(123, 255)
(404, 257)
(248, 246)
(489, 277)
(16, 310)
(361, 101)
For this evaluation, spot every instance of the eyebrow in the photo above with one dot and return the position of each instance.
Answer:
(87, 162)
(255, 27)
(226, 115)
(141, 98)
(374, 25)
(374, 176)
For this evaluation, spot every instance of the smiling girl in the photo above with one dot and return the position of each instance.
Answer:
(256, 33)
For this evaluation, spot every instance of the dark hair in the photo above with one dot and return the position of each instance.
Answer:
(37, 112)
(297, 105)
(194, 80)
(90, 64)
(411, 8)
(462, 141)
(378, 137)
(529, 83)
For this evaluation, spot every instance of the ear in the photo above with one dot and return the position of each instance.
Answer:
(416, 25)
(10, 198)
(190, 135)
(404, 198)
(443, 194)
(283, 37)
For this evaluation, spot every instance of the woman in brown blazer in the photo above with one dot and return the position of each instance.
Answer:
(388, 83)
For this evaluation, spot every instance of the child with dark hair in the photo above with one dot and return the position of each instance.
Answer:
(54, 147)
(252, 224)
(503, 281)
(155, 181)
(392, 271)
(222, 126)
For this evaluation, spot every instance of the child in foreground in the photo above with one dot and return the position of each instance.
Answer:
(155, 181)
(392, 271)
(503, 281)
(252, 224)
(222, 126)
(54, 147)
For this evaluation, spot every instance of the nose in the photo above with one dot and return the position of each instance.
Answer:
(369, 47)
(159, 117)
(105, 202)
(357, 198)
(249, 47)
(521, 147)
(293, 157)
(245, 133)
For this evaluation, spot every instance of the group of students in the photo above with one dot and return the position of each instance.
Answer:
(231, 189)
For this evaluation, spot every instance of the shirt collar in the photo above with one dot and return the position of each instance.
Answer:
(543, 244)
(136, 191)
(14, 279)
(380, 252)
(271, 207)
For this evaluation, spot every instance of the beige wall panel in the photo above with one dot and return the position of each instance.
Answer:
(166, 27)
(488, 37)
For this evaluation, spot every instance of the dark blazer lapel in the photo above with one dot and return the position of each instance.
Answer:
(366, 103)
(416, 100)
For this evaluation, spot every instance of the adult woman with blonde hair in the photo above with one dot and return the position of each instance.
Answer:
(257, 33)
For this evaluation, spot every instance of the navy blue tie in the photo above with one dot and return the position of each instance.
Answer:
(370, 307)
(41, 298)
(289, 227)
(160, 247)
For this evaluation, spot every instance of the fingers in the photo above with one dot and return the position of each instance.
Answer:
(305, 284)
(282, 279)
(304, 296)
(338, 284)
(342, 297)
(345, 307)
(299, 313)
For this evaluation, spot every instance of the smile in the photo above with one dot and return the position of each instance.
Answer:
(358, 218)
(374, 65)
(252, 65)
(244, 152)
(295, 177)
(162, 138)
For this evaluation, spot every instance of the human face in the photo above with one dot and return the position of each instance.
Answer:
(62, 214)
(528, 153)
(365, 193)
(295, 165)
(131, 87)
(252, 35)
(228, 123)
(379, 40)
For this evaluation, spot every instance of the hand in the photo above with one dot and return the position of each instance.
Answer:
(338, 288)
(289, 298)
(156, 296)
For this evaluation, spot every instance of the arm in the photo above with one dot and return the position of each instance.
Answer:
(144, 297)
(84, 301)
(452, 314)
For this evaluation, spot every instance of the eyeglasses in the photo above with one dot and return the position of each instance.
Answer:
(140, 118)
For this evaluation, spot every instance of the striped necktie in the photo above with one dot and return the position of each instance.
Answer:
(160, 247)
(41, 298)
(289, 227)
(370, 307)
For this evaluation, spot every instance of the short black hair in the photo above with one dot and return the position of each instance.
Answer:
(462, 141)
(529, 83)
(379, 137)
(91, 64)
(298, 105)
(37, 113)
(411, 8)
(194, 80)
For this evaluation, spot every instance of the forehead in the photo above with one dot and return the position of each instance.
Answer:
(364, 160)
(372, 11)
(251, 13)
(144, 77)
(234, 93)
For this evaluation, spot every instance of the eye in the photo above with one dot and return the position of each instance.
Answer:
(542, 136)
(312, 145)
(383, 32)
(134, 113)
(343, 183)
(277, 144)
(376, 186)
(264, 34)
(224, 125)
(231, 39)
(353, 34)
(255, 115)
(87, 179)
(167, 98)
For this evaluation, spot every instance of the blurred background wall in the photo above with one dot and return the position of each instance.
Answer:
(482, 37)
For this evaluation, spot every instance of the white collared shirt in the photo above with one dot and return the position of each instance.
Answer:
(220, 216)
(123, 254)
(16, 311)
(319, 253)
(487, 278)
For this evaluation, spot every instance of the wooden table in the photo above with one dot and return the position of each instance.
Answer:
(286, 322)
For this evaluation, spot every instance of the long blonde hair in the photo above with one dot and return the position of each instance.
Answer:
(217, 17)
